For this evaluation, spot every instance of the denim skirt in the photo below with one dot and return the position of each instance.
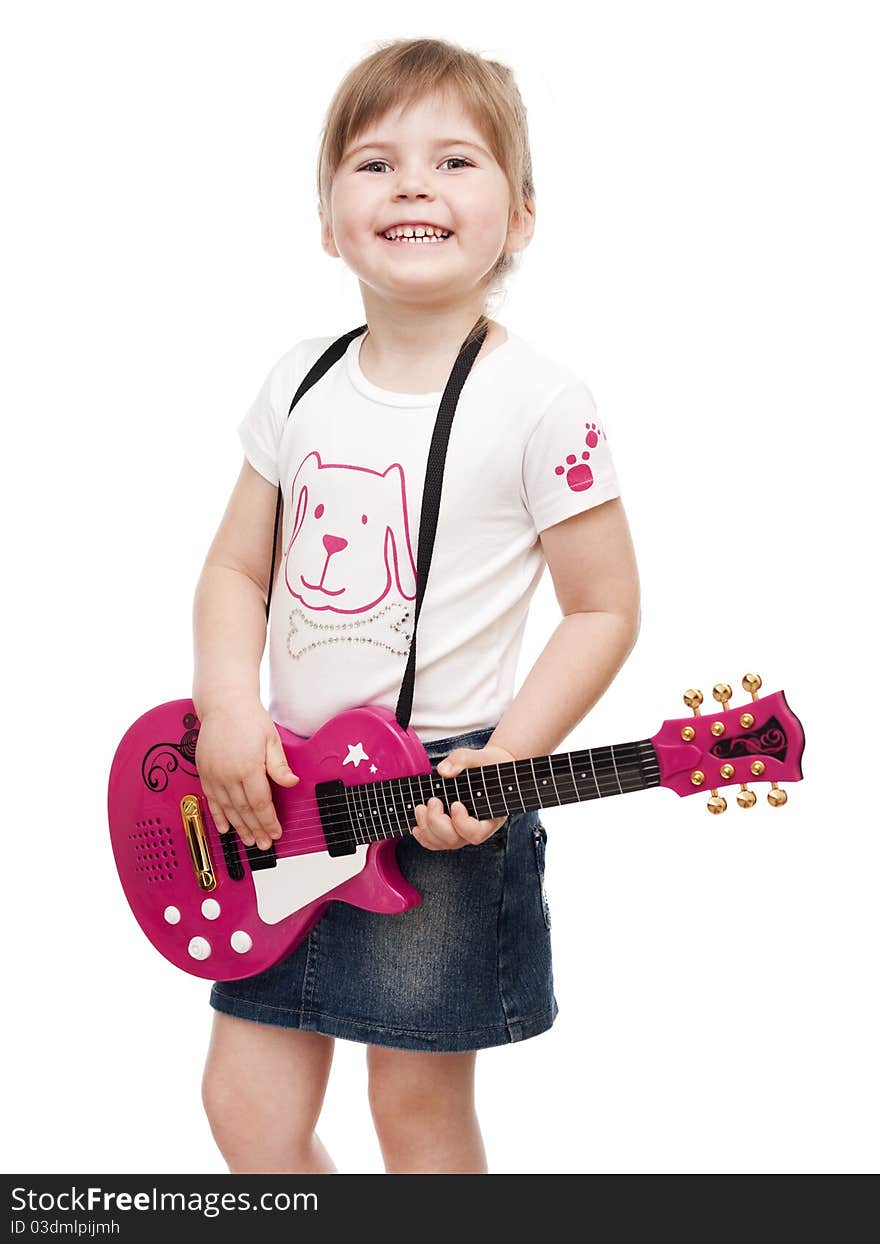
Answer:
(469, 967)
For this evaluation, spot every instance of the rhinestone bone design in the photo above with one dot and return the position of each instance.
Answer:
(302, 627)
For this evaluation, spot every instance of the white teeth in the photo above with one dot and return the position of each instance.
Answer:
(415, 234)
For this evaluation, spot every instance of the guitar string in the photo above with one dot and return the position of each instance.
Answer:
(393, 817)
(629, 783)
(396, 833)
(322, 842)
(358, 795)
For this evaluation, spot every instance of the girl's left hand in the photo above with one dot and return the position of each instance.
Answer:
(436, 831)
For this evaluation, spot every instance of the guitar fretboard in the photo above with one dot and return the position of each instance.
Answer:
(386, 809)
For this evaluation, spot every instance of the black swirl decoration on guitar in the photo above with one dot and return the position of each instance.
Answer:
(165, 758)
(769, 740)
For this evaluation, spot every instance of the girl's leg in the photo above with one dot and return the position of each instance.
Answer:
(262, 1089)
(423, 1109)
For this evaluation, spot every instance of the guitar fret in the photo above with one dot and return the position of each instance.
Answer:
(544, 794)
(649, 764)
(582, 775)
(518, 787)
(595, 779)
(498, 779)
(511, 792)
(604, 770)
(573, 778)
(514, 791)
(616, 774)
(589, 778)
(609, 773)
(473, 806)
(553, 779)
(413, 801)
(346, 790)
(405, 819)
(387, 825)
(389, 788)
(410, 812)
(360, 824)
(480, 813)
(458, 798)
(535, 780)
(563, 779)
(419, 796)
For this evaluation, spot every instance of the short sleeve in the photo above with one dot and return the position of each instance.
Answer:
(567, 465)
(260, 430)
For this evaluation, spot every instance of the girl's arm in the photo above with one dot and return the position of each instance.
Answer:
(593, 567)
(238, 743)
(229, 609)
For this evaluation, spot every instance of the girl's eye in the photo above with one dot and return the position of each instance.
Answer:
(373, 163)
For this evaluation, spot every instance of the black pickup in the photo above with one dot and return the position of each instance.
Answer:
(261, 859)
(335, 821)
(234, 866)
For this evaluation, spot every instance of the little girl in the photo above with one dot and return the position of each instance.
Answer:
(425, 192)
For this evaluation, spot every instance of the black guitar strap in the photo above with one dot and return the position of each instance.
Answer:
(433, 481)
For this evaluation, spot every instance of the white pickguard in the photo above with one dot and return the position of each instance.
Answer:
(297, 880)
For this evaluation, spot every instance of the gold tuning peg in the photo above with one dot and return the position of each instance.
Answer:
(722, 692)
(717, 803)
(776, 796)
(746, 798)
(693, 699)
(752, 683)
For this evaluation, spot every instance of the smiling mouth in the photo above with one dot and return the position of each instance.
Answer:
(424, 241)
(316, 587)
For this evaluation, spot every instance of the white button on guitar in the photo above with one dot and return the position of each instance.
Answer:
(199, 948)
(171, 914)
(241, 941)
(210, 909)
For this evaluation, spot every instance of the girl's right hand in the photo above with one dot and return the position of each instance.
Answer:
(237, 751)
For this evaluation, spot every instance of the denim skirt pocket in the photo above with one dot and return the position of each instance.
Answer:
(539, 838)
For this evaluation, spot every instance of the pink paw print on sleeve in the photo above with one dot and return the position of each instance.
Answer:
(577, 472)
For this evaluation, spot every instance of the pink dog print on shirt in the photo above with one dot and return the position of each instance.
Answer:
(350, 540)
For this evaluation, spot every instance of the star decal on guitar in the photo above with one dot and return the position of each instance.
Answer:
(355, 755)
(373, 769)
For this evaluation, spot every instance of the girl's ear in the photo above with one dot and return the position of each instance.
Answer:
(327, 242)
(520, 228)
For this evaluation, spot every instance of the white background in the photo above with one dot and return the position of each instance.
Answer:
(706, 256)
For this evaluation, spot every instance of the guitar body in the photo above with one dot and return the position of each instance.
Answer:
(210, 905)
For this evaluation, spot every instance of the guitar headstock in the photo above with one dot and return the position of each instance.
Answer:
(761, 741)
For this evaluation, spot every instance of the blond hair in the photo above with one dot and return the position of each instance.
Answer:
(406, 70)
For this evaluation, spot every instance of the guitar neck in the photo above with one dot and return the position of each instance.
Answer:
(385, 809)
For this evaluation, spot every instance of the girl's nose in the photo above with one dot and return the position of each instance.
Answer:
(412, 182)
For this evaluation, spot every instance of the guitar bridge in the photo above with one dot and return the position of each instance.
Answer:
(197, 841)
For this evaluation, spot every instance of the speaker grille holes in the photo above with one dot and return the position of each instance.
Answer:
(155, 856)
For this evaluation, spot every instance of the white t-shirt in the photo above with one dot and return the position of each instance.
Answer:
(526, 450)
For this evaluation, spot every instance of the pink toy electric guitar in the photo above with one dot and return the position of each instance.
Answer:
(223, 911)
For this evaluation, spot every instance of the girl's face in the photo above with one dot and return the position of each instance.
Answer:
(430, 165)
